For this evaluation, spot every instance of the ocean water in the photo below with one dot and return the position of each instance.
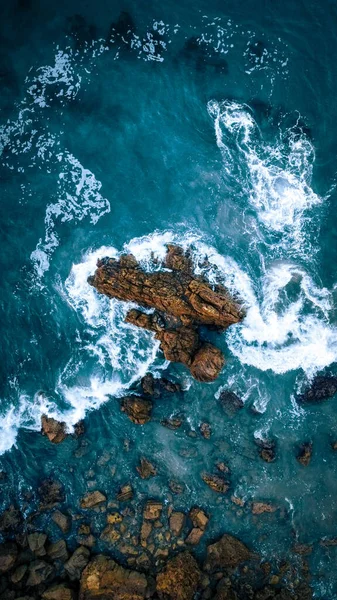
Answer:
(125, 126)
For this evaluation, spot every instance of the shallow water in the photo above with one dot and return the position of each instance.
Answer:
(206, 126)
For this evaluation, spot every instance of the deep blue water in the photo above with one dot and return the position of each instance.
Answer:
(211, 124)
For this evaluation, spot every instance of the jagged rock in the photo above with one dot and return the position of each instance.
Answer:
(176, 487)
(303, 549)
(266, 449)
(138, 409)
(169, 386)
(178, 260)
(227, 552)
(92, 499)
(216, 482)
(152, 510)
(58, 551)
(110, 534)
(36, 542)
(198, 517)
(148, 384)
(185, 302)
(8, 555)
(55, 431)
(205, 430)
(176, 293)
(172, 423)
(322, 388)
(58, 592)
(62, 521)
(194, 536)
(104, 578)
(146, 469)
(79, 429)
(39, 571)
(305, 453)
(125, 493)
(51, 493)
(177, 522)
(179, 579)
(10, 520)
(77, 562)
(207, 363)
(230, 402)
(262, 507)
(19, 574)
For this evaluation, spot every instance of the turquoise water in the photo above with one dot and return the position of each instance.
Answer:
(211, 126)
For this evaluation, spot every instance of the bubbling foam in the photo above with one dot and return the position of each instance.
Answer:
(275, 178)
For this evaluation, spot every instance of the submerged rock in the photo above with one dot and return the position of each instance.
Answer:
(103, 578)
(182, 303)
(267, 449)
(179, 579)
(227, 552)
(92, 499)
(62, 521)
(55, 430)
(230, 402)
(322, 388)
(8, 556)
(11, 520)
(138, 409)
(217, 483)
(146, 469)
(305, 453)
(258, 508)
(51, 493)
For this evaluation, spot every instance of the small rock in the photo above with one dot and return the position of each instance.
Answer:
(145, 531)
(138, 409)
(152, 510)
(146, 469)
(125, 493)
(113, 518)
(230, 402)
(103, 578)
(169, 386)
(267, 449)
(302, 549)
(179, 579)
(177, 522)
(194, 536)
(148, 385)
(205, 430)
(58, 551)
(322, 388)
(198, 518)
(216, 483)
(79, 429)
(110, 534)
(305, 453)
(39, 571)
(62, 521)
(262, 507)
(58, 592)
(10, 520)
(36, 542)
(227, 552)
(172, 423)
(176, 487)
(51, 493)
(92, 499)
(222, 467)
(55, 431)
(8, 555)
(77, 562)
(19, 574)
(207, 363)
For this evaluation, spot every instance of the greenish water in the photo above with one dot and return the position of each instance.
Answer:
(211, 125)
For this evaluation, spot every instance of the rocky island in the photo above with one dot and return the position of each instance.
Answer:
(181, 302)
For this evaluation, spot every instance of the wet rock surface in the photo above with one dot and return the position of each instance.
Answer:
(322, 388)
(182, 303)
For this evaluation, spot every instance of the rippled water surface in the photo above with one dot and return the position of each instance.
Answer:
(207, 124)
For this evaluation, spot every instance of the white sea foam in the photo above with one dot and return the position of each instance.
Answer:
(79, 197)
(275, 178)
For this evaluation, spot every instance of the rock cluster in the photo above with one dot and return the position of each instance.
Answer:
(181, 301)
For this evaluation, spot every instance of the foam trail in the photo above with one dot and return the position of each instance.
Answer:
(276, 178)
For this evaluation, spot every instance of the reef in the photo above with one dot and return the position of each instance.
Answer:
(181, 302)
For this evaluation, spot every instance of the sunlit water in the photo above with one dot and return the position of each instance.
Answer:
(210, 129)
